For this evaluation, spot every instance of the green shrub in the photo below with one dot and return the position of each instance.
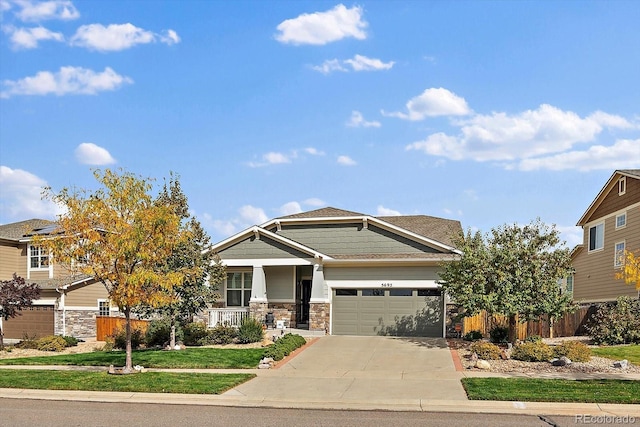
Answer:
(51, 343)
(159, 333)
(120, 338)
(616, 322)
(485, 350)
(533, 338)
(576, 351)
(70, 341)
(196, 334)
(499, 335)
(532, 352)
(284, 346)
(28, 342)
(472, 336)
(250, 331)
(222, 334)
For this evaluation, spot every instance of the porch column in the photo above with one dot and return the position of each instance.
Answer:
(317, 284)
(258, 285)
(318, 303)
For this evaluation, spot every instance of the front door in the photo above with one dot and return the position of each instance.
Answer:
(303, 295)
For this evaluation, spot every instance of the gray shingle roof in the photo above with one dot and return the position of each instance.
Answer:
(327, 212)
(18, 230)
(438, 229)
(634, 172)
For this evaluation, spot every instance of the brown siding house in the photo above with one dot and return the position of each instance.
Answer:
(611, 225)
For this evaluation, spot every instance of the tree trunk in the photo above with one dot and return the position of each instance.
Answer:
(1, 339)
(551, 322)
(172, 340)
(128, 367)
(513, 329)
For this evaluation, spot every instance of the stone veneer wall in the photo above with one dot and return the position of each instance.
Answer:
(281, 311)
(79, 323)
(319, 316)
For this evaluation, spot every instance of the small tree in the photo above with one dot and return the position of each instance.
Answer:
(630, 272)
(15, 295)
(514, 271)
(200, 287)
(121, 236)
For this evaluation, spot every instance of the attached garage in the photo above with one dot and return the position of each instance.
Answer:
(35, 321)
(380, 311)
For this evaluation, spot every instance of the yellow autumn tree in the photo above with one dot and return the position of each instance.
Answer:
(630, 272)
(121, 236)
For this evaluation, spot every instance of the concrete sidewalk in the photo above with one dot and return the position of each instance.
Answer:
(359, 373)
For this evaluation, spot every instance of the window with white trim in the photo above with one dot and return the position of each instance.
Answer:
(568, 286)
(104, 308)
(38, 258)
(596, 237)
(238, 289)
(622, 186)
(621, 220)
(618, 260)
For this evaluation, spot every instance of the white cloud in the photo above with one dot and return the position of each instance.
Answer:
(69, 80)
(313, 151)
(433, 102)
(382, 211)
(625, 153)
(21, 195)
(91, 154)
(276, 158)
(315, 202)
(357, 120)
(571, 234)
(346, 161)
(358, 63)
(290, 208)
(320, 28)
(35, 11)
(530, 134)
(28, 38)
(252, 215)
(116, 37)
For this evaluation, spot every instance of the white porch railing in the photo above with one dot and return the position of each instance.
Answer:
(229, 316)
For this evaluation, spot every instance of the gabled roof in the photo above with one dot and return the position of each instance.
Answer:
(611, 183)
(18, 230)
(438, 229)
(61, 282)
(327, 212)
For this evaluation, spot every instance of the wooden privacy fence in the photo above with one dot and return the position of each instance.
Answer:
(569, 325)
(105, 326)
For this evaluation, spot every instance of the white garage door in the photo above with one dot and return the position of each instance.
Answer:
(379, 311)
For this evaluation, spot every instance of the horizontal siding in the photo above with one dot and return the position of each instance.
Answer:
(280, 283)
(9, 259)
(350, 239)
(86, 296)
(381, 273)
(260, 248)
(614, 202)
(594, 278)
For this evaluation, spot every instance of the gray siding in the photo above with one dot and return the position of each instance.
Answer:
(349, 239)
(381, 273)
(264, 247)
(280, 283)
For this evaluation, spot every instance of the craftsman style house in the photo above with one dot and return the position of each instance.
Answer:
(68, 304)
(611, 225)
(340, 272)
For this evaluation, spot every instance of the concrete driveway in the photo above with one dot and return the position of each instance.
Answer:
(361, 369)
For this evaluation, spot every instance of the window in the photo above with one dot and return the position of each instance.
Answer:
(621, 220)
(429, 292)
(373, 292)
(239, 289)
(596, 237)
(566, 285)
(104, 308)
(38, 259)
(618, 260)
(622, 186)
(400, 292)
(346, 292)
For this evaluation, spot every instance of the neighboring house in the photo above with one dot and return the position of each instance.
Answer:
(611, 225)
(68, 304)
(340, 272)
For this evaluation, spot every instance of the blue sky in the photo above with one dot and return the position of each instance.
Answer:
(485, 112)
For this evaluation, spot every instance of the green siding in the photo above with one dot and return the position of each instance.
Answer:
(280, 283)
(264, 247)
(352, 239)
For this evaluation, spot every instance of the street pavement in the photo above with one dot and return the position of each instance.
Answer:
(346, 372)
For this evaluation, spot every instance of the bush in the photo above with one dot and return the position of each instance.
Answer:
(616, 323)
(485, 350)
(51, 343)
(196, 334)
(499, 335)
(222, 334)
(284, 346)
(250, 331)
(120, 339)
(533, 338)
(159, 333)
(70, 341)
(576, 351)
(532, 352)
(472, 336)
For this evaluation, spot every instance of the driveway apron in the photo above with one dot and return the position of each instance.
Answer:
(361, 369)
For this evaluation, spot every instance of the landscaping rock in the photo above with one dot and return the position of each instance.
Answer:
(483, 364)
(562, 361)
(621, 364)
(264, 366)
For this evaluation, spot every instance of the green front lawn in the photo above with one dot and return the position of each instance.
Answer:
(191, 358)
(539, 390)
(619, 352)
(145, 382)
